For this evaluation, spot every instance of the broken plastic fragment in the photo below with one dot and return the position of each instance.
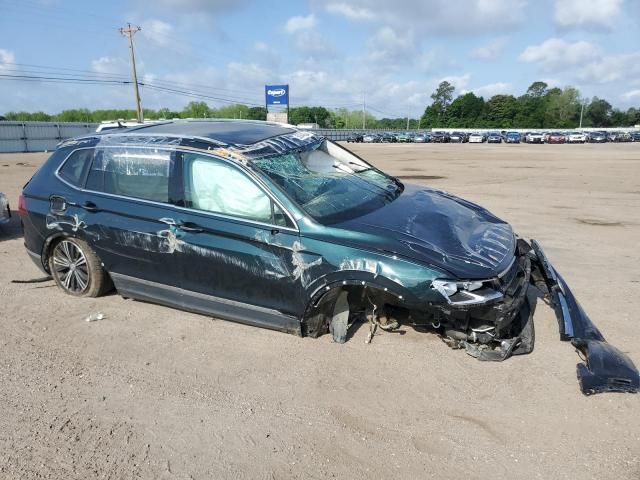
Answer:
(94, 317)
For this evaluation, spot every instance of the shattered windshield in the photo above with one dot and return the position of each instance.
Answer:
(329, 183)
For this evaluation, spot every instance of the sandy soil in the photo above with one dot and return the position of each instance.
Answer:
(152, 392)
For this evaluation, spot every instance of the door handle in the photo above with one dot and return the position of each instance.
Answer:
(89, 206)
(189, 227)
(169, 221)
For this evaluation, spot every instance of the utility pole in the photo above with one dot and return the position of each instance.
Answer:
(364, 112)
(407, 122)
(130, 32)
(581, 112)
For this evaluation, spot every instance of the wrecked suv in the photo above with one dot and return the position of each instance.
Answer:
(280, 228)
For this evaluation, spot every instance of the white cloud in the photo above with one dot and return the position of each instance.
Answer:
(593, 14)
(350, 12)
(584, 63)
(190, 6)
(109, 65)
(631, 94)
(7, 58)
(459, 81)
(157, 32)
(556, 54)
(491, 89)
(610, 68)
(297, 24)
(262, 47)
(491, 50)
(388, 47)
(460, 17)
(313, 44)
(306, 40)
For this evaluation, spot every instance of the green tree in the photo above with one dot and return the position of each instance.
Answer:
(319, 115)
(167, 114)
(196, 110)
(257, 113)
(532, 106)
(501, 111)
(619, 119)
(466, 111)
(29, 117)
(598, 113)
(563, 108)
(75, 115)
(435, 115)
(633, 116)
(537, 89)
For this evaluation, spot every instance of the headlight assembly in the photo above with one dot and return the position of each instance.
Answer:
(465, 293)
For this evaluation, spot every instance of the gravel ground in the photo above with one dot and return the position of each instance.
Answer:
(153, 392)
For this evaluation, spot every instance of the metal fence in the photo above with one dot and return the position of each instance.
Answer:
(39, 136)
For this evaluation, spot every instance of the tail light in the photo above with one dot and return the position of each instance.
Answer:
(22, 206)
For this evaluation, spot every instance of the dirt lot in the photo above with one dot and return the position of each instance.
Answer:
(152, 392)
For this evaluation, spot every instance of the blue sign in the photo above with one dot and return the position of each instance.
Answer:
(276, 94)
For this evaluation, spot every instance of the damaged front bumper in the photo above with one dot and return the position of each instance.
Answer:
(605, 368)
(496, 322)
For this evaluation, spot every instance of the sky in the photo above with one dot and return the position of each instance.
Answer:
(333, 53)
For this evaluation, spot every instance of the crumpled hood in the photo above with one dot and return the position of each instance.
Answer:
(440, 229)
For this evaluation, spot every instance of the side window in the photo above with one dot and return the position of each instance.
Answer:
(75, 167)
(279, 217)
(216, 186)
(132, 172)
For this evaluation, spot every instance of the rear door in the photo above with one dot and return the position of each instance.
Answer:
(127, 198)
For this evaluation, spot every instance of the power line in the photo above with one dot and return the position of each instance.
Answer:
(64, 79)
(90, 73)
(197, 95)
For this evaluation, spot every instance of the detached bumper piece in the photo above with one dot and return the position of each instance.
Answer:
(605, 368)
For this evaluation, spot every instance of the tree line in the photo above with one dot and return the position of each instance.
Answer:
(539, 107)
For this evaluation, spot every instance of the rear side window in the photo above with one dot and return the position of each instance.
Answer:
(75, 167)
(132, 172)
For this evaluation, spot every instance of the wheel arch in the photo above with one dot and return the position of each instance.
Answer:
(323, 293)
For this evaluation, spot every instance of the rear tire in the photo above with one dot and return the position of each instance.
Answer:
(77, 270)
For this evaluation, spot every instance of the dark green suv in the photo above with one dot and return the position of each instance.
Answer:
(277, 227)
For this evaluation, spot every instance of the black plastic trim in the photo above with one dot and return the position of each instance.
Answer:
(605, 368)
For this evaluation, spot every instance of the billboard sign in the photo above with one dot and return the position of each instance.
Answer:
(276, 94)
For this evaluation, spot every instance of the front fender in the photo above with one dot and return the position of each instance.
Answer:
(341, 278)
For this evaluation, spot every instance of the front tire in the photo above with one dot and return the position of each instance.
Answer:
(77, 270)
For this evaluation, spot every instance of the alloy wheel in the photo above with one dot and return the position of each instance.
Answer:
(70, 267)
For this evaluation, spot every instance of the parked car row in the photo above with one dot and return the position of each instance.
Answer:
(496, 137)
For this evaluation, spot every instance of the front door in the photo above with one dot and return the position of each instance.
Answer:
(237, 246)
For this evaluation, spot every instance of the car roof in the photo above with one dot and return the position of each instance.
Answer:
(231, 132)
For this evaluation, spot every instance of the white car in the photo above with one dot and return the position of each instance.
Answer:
(576, 137)
(5, 211)
(534, 137)
(476, 138)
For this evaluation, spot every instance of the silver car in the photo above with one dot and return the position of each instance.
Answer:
(5, 211)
